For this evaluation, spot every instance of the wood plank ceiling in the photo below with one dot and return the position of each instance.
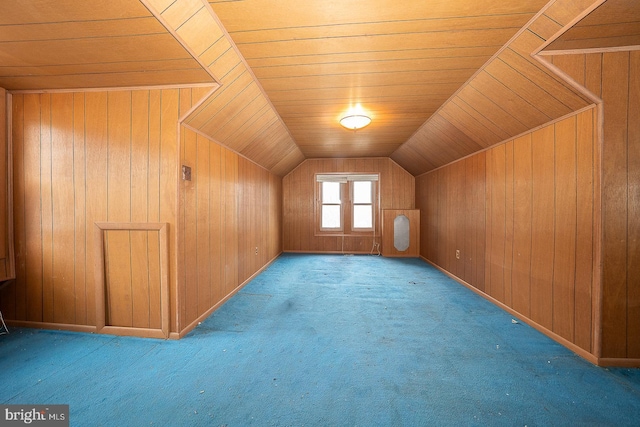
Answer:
(616, 23)
(440, 79)
(67, 44)
(315, 59)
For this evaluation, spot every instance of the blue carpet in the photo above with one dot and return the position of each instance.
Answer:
(326, 340)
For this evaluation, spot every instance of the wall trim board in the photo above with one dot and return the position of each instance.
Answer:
(618, 362)
(589, 50)
(51, 326)
(332, 252)
(577, 350)
(165, 303)
(196, 322)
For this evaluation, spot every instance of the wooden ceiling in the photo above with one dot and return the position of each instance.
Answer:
(440, 79)
(66, 44)
(616, 23)
(315, 59)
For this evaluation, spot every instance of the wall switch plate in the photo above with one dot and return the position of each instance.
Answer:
(186, 173)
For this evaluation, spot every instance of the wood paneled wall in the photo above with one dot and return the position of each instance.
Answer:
(230, 224)
(452, 209)
(6, 243)
(615, 78)
(113, 157)
(396, 191)
(511, 94)
(81, 158)
(522, 216)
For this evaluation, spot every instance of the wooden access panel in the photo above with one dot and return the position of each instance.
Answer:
(388, 218)
(132, 281)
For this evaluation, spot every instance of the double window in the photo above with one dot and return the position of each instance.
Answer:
(346, 202)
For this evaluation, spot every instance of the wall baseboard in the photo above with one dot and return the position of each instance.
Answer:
(571, 346)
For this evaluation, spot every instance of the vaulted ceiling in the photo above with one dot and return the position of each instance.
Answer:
(440, 79)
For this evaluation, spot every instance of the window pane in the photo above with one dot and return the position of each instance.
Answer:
(362, 216)
(331, 216)
(330, 192)
(361, 191)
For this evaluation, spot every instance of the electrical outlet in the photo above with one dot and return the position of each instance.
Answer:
(457, 253)
(256, 250)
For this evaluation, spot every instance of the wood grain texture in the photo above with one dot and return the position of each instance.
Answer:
(239, 114)
(65, 45)
(7, 259)
(230, 222)
(614, 78)
(528, 200)
(396, 191)
(84, 158)
(388, 247)
(612, 24)
(401, 64)
(126, 299)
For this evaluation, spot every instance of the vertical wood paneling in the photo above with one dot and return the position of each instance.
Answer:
(141, 252)
(79, 213)
(585, 175)
(4, 163)
(615, 93)
(633, 217)
(543, 226)
(203, 225)
(614, 78)
(496, 169)
(84, 158)
(96, 183)
(19, 214)
(189, 294)
(564, 267)
(532, 203)
(396, 191)
(224, 222)
(62, 165)
(522, 214)
(231, 221)
(32, 206)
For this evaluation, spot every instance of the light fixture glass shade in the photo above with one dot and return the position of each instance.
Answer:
(355, 121)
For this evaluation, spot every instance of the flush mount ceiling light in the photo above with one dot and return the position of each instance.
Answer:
(355, 118)
(355, 121)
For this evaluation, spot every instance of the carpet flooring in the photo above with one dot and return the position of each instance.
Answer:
(326, 340)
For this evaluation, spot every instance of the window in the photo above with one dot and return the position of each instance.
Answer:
(331, 206)
(362, 196)
(346, 203)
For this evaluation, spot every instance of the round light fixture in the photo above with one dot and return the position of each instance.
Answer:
(355, 121)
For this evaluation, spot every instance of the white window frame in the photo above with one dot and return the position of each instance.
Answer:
(346, 205)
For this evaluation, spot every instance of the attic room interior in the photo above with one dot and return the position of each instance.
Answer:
(158, 155)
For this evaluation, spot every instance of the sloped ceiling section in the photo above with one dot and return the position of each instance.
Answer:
(511, 94)
(614, 24)
(399, 59)
(238, 114)
(70, 44)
